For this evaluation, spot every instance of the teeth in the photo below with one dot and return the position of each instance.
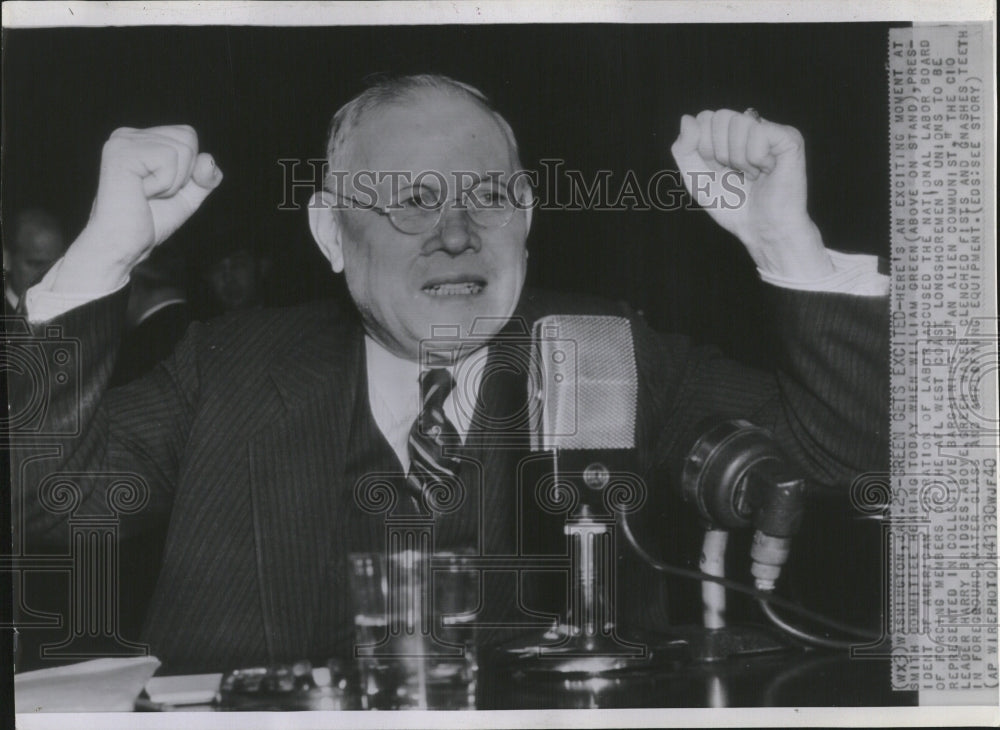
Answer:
(450, 290)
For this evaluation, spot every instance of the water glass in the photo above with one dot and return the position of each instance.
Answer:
(414, 629)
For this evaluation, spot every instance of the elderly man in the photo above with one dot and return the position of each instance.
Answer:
(34, 242)
(255, 433)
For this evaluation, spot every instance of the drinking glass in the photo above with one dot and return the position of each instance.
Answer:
(414, 629)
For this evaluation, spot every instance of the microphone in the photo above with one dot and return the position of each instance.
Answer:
(584, 387)
(584, 395)
(735, 475)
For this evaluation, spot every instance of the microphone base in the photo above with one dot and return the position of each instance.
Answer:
(560, 651)
(730, 642)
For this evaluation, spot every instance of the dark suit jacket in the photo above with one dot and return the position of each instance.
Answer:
(150, 342)
(243, 439)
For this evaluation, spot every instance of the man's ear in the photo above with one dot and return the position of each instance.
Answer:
(527, 199)
(530, 200)
(326, 229)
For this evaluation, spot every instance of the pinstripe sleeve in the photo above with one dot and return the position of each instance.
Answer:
(827, 400)
(139, 429)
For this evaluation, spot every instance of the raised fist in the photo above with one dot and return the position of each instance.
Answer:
(151, 181)
(719, 152)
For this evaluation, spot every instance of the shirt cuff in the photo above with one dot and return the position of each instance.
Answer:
(42, 304)
(853, 273)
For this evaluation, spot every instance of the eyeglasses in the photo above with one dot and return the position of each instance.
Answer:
(419, 210)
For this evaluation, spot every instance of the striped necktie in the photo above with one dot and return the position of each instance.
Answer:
(431, 435)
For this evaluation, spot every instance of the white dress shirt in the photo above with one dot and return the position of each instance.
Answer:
(394, 394)
(11, 296)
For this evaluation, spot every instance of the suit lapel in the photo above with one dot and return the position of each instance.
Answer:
(296, 472)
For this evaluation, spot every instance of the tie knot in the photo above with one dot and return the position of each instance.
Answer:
(435, 385)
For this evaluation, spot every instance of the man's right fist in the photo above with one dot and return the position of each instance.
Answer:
(151, 181)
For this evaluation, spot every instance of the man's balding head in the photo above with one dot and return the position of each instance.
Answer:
(388, 90)
(31, 245)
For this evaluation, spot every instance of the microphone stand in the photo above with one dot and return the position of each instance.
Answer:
(717, 640)
(587, 643)
(713, 562)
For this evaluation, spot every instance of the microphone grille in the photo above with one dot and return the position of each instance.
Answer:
(585, 383)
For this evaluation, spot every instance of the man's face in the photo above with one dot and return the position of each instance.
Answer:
(234, 280)
(404, 284)
(35, 249)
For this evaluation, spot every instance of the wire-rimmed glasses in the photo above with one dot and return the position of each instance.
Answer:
(419, 208)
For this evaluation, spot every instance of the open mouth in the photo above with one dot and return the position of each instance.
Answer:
(454, 288)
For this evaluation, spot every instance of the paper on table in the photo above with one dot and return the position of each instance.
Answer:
(189, 689)
(100, 685)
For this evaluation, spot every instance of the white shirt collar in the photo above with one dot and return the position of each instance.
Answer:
(394, 394)
(157, 307)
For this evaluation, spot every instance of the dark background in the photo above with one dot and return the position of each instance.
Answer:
(596, 96)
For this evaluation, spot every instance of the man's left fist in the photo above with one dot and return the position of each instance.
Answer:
(750, 175)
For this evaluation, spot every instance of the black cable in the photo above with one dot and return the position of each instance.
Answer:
(771, 697)
(801, 634)
(762, 596)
